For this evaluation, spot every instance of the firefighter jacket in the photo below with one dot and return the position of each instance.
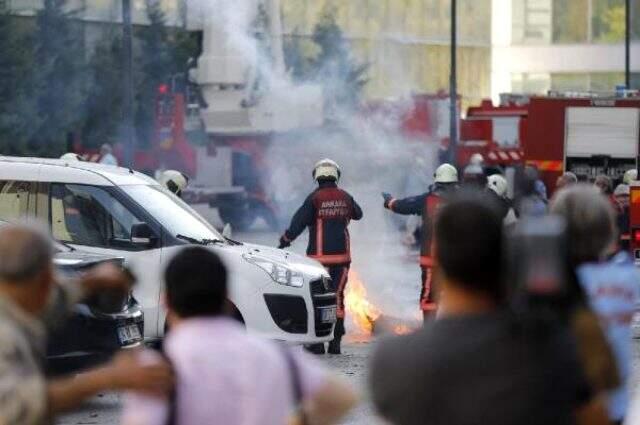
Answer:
(425, 205)
(327, 213)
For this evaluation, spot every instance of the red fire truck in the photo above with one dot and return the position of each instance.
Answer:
(586, 133)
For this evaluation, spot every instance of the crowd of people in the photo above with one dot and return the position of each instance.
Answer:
(544, 343)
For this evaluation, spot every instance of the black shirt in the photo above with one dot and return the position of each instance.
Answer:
(479, 369)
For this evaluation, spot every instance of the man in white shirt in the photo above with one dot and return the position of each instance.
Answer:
(225, 375)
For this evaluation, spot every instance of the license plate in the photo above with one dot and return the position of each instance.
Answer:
(328, 315)
(129, 333)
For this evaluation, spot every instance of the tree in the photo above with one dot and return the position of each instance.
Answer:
(297, 58)
(104, 100)
(343, 77)
(58, 77)
(18, 114)
(164, 53)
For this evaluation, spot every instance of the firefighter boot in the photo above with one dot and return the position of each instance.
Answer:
(315, 348)
(334, 345)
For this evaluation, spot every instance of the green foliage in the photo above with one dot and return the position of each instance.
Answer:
(608, 21)
(58, 77)
(163, 53)
(53, 86)
(18, 115)
(104, 100)
(333, 66)
(342, 76)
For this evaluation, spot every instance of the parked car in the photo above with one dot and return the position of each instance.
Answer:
(99, 326)
(118, 212)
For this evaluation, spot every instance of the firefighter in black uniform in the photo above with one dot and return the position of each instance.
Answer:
(426, 205)
(327, 212)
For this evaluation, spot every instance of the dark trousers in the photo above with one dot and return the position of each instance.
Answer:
(339, 276)
(427, 293)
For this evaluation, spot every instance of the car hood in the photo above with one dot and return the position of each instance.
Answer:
(299, 263)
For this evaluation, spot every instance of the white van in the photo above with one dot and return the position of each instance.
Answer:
(116, 211)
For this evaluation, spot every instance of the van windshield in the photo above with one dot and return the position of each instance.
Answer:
(172, 212)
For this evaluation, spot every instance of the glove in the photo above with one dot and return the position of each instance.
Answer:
(284, 243)
(387, 199)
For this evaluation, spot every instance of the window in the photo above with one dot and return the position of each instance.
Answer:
(171, 212)
(14, 198)
(570, 21)
(89, 215)
(608, 21)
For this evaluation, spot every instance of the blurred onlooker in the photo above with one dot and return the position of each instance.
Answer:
(31, 301)
(224, 375)
(475, 364)
(612, 286)
(532, 193)
(604, 183)
(106, 155)
(566, 179)
(622, 197)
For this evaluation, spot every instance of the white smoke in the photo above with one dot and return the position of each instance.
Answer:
(372, 153)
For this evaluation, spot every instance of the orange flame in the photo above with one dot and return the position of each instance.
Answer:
(361, 312)
(402, 330)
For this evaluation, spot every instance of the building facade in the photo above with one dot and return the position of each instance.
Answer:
(406, 42)
(567, 45)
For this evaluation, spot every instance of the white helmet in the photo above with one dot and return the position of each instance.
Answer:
(477, 159)
(326, 168)
(498, 184)
(630, 176)
(446, 173)
(174, 180)
(70, 156)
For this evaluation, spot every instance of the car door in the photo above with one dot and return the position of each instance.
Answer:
(95, 219)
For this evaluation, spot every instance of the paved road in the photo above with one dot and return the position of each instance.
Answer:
(391, 278)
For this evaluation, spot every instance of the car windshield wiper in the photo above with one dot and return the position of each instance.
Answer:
(66, 245)
(203, 241)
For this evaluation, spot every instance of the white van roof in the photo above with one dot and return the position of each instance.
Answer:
(68, 171)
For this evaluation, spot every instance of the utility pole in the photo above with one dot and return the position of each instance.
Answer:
(127, 84)
(453, 82)
(627, 44)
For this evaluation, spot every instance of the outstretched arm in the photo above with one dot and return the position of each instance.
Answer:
(357, 211)
(406, 206)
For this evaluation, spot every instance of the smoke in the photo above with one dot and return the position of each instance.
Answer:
(373, 154)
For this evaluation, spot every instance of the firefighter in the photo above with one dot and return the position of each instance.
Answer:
(174, 180)
(426, 205)
(477, 159)
(630, 176)
(497, 187)
(622, 196)
(474, 177)
(70, 156)
(327, 212)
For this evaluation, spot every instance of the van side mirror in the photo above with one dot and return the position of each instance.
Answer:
(142, 234)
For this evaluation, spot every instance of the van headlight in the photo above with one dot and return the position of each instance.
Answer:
(280, 273)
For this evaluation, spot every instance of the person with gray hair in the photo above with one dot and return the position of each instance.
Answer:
(566, 179)
(31, 302)
(612, 285)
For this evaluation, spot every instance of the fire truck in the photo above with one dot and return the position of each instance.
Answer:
(239, 98)
(586, 133)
